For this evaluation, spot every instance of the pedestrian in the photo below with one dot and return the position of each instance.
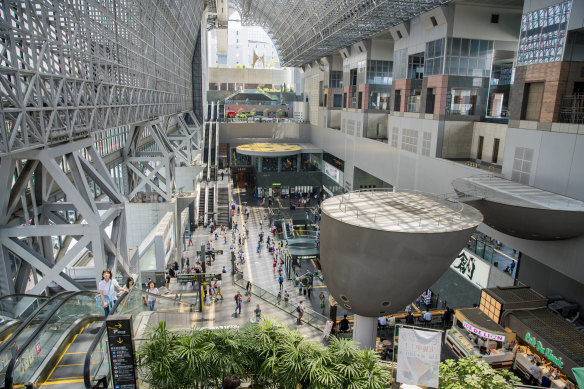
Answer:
(222, 175)
(410, 319)
(258, 313)
(218, 286)
(274, 264)
(167, 280)
(238, 299)
(223, 270)
(248, 289)
(129, 284)
(286, 297)
(107, 291)
(188, 263)
(146, 284)
(300, 311)
(281, 282)
(152, 293)
(322, 303)
(211, 293)
(299, 288)
(309, 290)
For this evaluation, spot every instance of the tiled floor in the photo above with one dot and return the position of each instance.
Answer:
(258, 268)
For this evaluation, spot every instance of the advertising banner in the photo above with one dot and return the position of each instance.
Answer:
(472, 268)
(332, 172)
(418, 357)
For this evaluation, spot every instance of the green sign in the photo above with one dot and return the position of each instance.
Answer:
(274, 184)
(546, 352)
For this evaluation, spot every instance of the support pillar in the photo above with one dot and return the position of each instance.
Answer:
(298, 162)
(365, 331)
(279, 164)
(259, 164)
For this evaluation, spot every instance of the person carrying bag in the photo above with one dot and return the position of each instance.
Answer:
(107, 293)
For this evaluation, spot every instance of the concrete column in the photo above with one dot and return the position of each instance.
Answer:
(279, 164)
(298, 161)
(365, 331)
(259, 164)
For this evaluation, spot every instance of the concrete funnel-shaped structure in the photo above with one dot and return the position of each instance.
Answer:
(380, 249)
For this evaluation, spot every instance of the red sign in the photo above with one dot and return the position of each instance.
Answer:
(38, 348)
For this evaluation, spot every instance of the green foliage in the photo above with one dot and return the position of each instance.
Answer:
(473, 372)
(238, 66)
(267, 353)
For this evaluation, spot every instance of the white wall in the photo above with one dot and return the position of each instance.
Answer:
(400, 123)
(254, 132)
(558, 160)
(185, 177)
(142, 218)
(474, 22)
(381, 49)
(418, 36)
(489, 131)
(251, 76)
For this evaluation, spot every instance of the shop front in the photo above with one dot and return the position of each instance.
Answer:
(474, 333)
(548, 342)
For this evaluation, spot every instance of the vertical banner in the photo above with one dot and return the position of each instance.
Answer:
(418, 357)
(121, 350)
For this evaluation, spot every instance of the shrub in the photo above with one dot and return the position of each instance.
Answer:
(269, 354)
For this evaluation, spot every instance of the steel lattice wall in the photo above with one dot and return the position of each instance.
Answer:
(71, 67)
(305, 30)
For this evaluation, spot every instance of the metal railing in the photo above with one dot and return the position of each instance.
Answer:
(572, 109)
(310, 317)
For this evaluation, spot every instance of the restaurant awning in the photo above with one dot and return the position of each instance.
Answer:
(476, 322)
(550, 335)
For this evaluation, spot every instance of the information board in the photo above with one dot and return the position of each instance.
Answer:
(121, 351)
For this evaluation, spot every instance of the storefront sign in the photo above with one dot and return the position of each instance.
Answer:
(545, 351)
(473, 268)
(121, 349)
(477, 331)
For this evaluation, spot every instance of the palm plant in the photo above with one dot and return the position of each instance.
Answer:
(156, 358)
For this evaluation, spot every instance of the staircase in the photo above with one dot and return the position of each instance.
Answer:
(211, 204)
(223, 210)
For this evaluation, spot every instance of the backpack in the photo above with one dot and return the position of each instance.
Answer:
(298, 308)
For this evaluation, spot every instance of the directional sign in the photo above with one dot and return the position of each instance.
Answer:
(121, 349)
(211, 252)
(198, 277)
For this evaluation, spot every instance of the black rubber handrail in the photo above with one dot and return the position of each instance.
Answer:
(22, 295)
(89, 354)
(32, 316)
(91, 350)
(9, 376)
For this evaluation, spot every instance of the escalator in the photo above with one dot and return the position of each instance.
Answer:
(14, 309)
(68, 347)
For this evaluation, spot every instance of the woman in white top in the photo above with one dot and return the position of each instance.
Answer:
(107, 290)
(152, 292)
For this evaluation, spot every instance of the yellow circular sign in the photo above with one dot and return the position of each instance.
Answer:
(269, 148)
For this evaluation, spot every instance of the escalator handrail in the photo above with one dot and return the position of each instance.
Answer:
(91, 350)
(26, 322)
(168, 298)
(22, 295)
(8, 378)
(96, 339)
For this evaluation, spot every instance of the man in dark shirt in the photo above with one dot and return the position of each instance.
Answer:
(344, 324)
(447, 317)
(410, 319)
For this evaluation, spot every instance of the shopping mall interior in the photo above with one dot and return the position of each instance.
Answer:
(259, 193)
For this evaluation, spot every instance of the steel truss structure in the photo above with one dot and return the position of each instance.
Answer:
(70, 71)
(306, 30)
(71, 67)
(31, 218)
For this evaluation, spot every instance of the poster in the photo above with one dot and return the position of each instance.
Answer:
(332, 172)
(472, 268)
(418, 357)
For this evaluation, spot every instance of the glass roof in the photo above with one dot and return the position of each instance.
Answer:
(305, 30)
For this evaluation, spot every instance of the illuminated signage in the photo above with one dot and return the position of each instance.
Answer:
(482, 333)
(545, 351)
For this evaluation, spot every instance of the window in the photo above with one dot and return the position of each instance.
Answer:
(379, 100)
(400, 64)
(522, 165)
(360, 100)
(532, 97)
(480, 148)
(415, 100)
(543, 34)
(496, 150)
(399, 34)
(379, 72)
(353, 77)
(468, 57)
(426, 143)
(463, 101)
(434, 57)
(344, 100)
(397, 101)
(433, 21)
(410, 140)
(430, 97)
(337, 100)
(336, 79)
(416, 66)
(394, 136)
(494, 18)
